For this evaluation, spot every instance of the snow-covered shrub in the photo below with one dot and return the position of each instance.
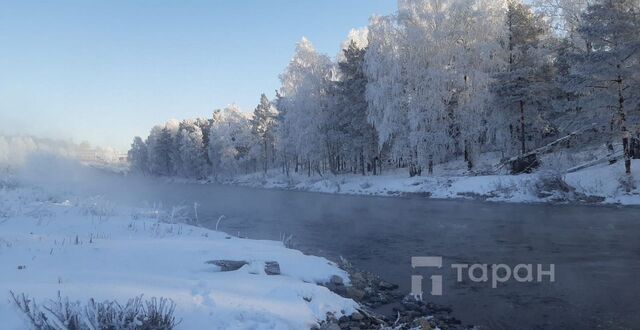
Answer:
(97, 206)
(176, 214)
(58, 314)
(551, 183)
(62, 314)
(179, 214)
(136, 314)
(627, 183)
(504, 188)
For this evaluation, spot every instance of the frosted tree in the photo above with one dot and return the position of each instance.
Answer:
(450, 55)
(216, 143)
(359, 37)
(607, 72)
(430, 83)
(436, 81)
(138, 155)
(305, 84)
(357, 135)
(282, 144)
(172, 126)
(230, 142)
(205, 127)
(159, 148)
(527, 77)
(565, 17)
(263, 129)
(192, 151)
(386, 92)
(478, 27)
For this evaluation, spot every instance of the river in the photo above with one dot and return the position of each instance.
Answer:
(595, 249)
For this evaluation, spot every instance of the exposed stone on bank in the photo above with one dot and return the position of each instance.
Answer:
(371, 292)
(270, 267)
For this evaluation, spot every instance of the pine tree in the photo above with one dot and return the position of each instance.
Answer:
(138, 157)
(163, 150)
(352, 126)
(527, 79)
(262, 127)
(607, 71)
(159, 149)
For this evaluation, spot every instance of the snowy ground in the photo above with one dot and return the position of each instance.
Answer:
(89, 248)
(597, 184)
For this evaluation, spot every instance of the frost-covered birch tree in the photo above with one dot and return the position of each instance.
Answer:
(386, 90)
(304, 89)
(191, 151)
(230, 142)
(451, 54)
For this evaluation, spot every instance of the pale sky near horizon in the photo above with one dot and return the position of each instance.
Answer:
(105, 71)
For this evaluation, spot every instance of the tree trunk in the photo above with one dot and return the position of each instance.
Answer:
(626, 135)
(287, 166)
(375, 165)
(522, 134)
(266, 157)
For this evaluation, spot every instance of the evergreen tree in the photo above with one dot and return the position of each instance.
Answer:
(138, 157)
(163, 151)
(607, 72)
(159, 149)
(526, 84)
(357, 135)
(262, 127)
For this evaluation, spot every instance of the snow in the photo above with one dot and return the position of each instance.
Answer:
(603, 180)
(599, 181)
(89, 248)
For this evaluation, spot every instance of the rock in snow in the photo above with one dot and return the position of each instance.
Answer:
(228, 265)
(272, 268)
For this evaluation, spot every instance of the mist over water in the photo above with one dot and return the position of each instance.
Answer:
(595, 249)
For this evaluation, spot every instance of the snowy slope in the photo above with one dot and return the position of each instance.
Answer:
(89, 248)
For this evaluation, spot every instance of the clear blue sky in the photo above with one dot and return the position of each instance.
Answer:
(104, 71)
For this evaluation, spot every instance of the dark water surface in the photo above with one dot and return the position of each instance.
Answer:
(596, 250)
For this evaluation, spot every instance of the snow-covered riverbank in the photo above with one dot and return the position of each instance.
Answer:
(83, 248)
(597, 184)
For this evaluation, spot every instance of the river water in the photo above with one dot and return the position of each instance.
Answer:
(595, 249)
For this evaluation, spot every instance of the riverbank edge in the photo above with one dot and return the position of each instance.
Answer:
(580, 188)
